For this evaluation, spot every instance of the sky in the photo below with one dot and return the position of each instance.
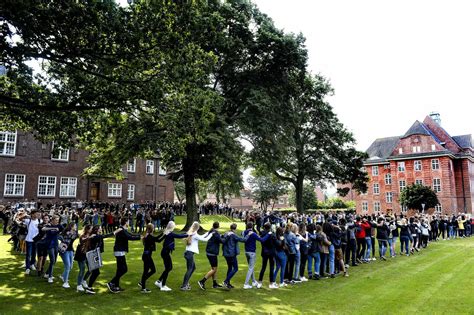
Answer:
(389, 62)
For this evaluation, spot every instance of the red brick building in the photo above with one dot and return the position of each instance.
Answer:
(425, 154)
(30, 171)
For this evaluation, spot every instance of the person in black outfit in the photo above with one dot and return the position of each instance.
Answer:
(268, 255)
(120, 249)
(149, 243)
(96, 240)
(212, 252)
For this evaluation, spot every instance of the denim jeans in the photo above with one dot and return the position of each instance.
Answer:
(280, 265)
(190, 266)
(296, 273)
(53, 255)
(404, 242)
(382, 247)
(391, 244)
(232, 268)
(30, 254)
(332, 253)
(67, 261)
(317, 262)
(82, 271)
(368, 241)
(251, 259)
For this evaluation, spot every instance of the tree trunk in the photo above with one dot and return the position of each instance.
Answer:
(299, 193)
(218, 198)
(190, 189)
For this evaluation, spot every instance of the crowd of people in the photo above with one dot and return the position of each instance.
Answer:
(294, 247)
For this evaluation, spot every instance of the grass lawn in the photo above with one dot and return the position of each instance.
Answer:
(438, 280)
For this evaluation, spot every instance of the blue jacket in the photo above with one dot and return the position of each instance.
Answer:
(168, 244)
(291, 241)
(212, 247)
(231, 246)
(251, 242)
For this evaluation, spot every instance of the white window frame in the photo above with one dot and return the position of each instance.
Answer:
(401, 166)
(68, 187)
(388, 179)
(60, 154)
(417, 165)
(49, 186)
(375, 170)
(131, 192)
(150, 166)
(161, 171)
(437, 185)
(400, 186)
(416, 149)
(5, 143)
(16, 184)
(418, 181)
(403, 208)
(439, 208)
(131, 167)
(400, 150)
(114, 190)
(377, 207)
(376, 189)
(433, 147)
(365, 206)
(435, 164)
(389, 197)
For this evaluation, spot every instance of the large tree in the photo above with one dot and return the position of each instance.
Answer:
(415, 196)
(266, 189)
(307, 141)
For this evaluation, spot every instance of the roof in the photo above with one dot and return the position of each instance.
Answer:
(421, 155)
(417, 128)
(464, 141)
(382, 148)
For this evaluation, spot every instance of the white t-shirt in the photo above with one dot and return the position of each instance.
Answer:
(193, 247)
(32, 229)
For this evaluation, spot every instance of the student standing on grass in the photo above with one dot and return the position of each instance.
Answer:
(303, 238)
(68, 235)
(268, 255)
(192, 248)
(383, 232)
(290, 239)
(314, 250)
(80, 257)
(168, 247)
(212, 252)
(280, 258)
(230, 251)
(250, 254)
(392, 237)
(325, 243)
(337, 235)
(404, 236)
(120, 249)
(32, 230)
(96, 240)
(149, 246)
(52, 233)
(360, 237)
(41, 246)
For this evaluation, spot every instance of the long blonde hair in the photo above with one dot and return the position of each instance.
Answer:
(150, 228)
(192, 230)
(169, 228)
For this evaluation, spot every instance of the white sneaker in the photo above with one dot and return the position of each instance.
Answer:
(158, 284)
(374, 259)
(257, 284)
(80, 288)
(66, 285)
(50, 280)
(84, 284)
(282, 285)
(46, 276)
(27, 271)
(303, 279)
(165, 288)
(273, 286)
(246, 286)
(32, 267)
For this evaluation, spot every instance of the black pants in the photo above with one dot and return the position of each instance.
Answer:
(121, 270)
(303, 260)
(290, 266)
(148, 268)
(372, 239)
(93, 276)
(344, 248)
(361, 246)
(267, 258)
(166, 255)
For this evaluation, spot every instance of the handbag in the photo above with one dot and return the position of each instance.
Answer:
(94, 259)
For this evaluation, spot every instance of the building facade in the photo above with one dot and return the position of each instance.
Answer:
(29, 171)
(426, 154)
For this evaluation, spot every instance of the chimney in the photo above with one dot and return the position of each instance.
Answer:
(436, 117)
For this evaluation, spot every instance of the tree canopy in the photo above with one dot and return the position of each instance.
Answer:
(414, 196)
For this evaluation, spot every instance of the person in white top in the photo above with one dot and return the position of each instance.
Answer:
(32, 228)
(191, 249)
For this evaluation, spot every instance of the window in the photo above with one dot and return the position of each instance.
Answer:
(46, 186)
(14, 185)
(161, 170)
(416, 149)
(365, 206)
(402, 185)
(150, 166)
(375, 170)
(131, 166)
(437, 184)
(7, 143)
(401, 166)
(389, 197)
(377, 206)
(435, 164)
(400, 150)
(404, 208)
(131, 192)
(61, 155)
(68, 187)
(418, 182)
(376, 189)
(433, 147)
(115, 190)
(417, 165)
(438, 208)
(386, 167)
(388, 179)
